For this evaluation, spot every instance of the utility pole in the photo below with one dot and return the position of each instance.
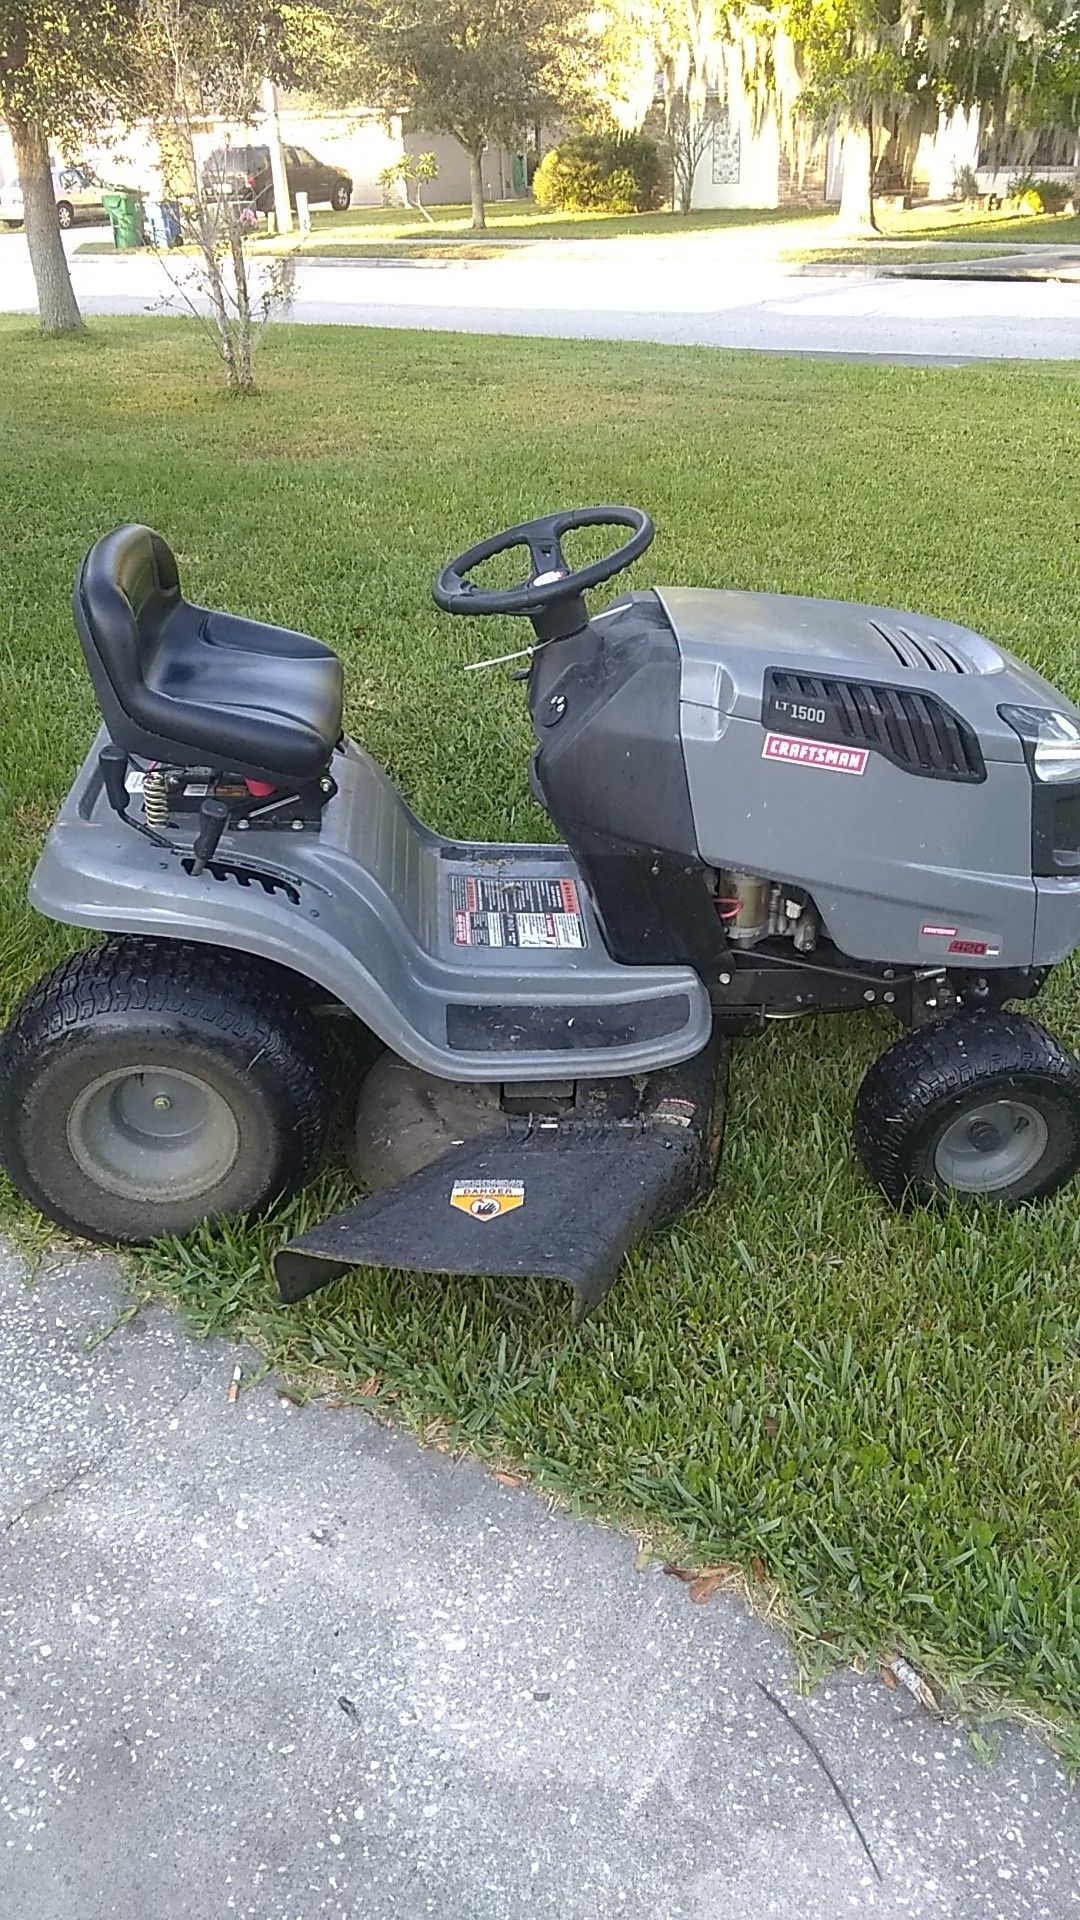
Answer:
(282, 204)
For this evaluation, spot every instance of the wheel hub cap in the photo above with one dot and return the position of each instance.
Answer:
(149, 1133)
(990, 1146)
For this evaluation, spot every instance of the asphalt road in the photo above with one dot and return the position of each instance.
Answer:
(283, 1663)
(702, 291)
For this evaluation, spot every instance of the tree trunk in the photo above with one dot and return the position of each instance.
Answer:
(857, 190)
(476, 189)
(873, 168)
(684, 183)
(58, 308)
(245, 379)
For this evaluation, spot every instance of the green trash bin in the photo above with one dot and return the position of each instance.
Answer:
(125, 211)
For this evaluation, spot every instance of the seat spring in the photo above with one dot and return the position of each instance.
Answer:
(155, 799)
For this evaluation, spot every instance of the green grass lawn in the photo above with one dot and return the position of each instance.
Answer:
(370, 232)
(955, 221)
(521, 220)
(924, 232)
(364, 233)
(879, 254)
(876, 1416)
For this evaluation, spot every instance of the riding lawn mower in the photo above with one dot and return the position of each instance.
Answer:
(768, 806)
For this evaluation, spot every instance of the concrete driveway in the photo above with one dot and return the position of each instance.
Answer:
(702, 290)
(283, 1663)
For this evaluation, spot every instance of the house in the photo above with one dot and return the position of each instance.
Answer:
(744, 164)
(362, 144)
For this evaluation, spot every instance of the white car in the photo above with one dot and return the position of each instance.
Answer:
(78, 195)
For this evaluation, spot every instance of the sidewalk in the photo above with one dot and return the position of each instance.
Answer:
(1022, 263)
(286, 1664)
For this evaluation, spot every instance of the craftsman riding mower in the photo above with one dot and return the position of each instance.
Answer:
(769, 806)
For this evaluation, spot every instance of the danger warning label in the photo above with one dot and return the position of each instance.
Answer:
(515, 913)
(487, 1199)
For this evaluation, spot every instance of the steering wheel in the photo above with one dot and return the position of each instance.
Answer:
(552, 584)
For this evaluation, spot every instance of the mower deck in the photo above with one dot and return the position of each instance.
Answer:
(557, 1198)
(456, 955)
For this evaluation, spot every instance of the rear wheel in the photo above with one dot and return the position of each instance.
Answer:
(983, 1106)
(147, 1085)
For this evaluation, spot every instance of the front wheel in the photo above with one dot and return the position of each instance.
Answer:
(148, 1085)
(65, 213)
(985, 1106)
(340, 197)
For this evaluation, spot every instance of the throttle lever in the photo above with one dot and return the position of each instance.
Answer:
(213, 819)
(113, 766)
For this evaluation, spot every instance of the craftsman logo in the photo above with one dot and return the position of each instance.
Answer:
(487, 1199)
(815, 753)
(935, 932)
(973, 949)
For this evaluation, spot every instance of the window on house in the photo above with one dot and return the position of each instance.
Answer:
(726, 150)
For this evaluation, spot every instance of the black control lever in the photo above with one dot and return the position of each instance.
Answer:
(213, 819)
(113, 766)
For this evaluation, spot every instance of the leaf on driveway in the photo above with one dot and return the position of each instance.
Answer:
(703, 1582)
(507, 1479)
(707, 1584)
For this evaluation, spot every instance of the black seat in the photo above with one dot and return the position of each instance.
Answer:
(180, 684)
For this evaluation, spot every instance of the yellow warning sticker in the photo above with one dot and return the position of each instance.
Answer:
(487, 1199)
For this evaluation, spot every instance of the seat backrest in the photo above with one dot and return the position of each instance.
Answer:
(124, 591)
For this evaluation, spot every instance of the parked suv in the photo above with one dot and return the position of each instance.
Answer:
(243, 173)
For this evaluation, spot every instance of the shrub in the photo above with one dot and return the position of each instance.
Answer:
(566, 180)
(1054, 194)
(1028, 194)
(965, 184)
(1023, 195)
(600, 173)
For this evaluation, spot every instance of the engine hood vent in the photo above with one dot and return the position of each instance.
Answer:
(825, 635)
(921, 652)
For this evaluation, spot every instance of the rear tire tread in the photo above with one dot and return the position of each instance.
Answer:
(235, 994)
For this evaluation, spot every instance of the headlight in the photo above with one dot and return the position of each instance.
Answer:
(1052, 741)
